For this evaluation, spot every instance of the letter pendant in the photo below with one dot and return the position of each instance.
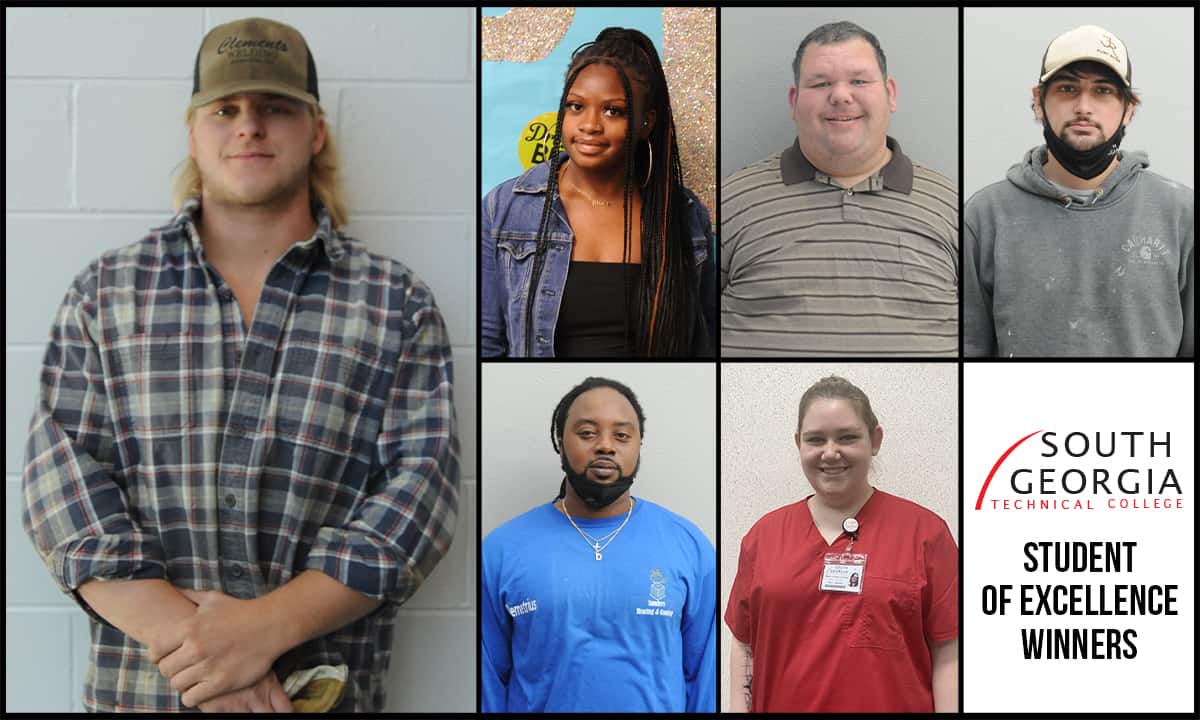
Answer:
(597, 548)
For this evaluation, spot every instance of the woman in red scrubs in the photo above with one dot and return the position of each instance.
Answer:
(846, 601)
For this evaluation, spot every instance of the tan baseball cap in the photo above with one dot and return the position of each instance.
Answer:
(254, 55)
(1087, 42)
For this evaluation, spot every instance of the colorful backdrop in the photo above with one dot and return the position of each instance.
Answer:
(525, 57)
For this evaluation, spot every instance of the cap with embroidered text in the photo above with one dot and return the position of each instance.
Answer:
(1087, 42)
(254, 55)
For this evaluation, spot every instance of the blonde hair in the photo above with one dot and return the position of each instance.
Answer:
(835, 387)
(324, 175)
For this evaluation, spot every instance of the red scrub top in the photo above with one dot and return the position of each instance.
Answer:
(817, 651)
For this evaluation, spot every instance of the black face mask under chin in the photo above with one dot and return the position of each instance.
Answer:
(1085, 164)
(593, 494)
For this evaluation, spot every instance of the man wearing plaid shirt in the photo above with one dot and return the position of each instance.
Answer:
(244, 457)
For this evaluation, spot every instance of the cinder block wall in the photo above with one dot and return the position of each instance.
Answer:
(94, 104)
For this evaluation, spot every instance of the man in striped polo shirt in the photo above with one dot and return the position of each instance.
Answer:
(839, 245)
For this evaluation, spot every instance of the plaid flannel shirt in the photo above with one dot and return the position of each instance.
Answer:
(171, 441)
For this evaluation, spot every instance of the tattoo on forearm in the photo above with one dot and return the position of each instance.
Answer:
(748, 675)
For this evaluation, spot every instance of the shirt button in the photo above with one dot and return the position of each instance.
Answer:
(548, 292)
(542, 339)
(230, 500)
(236, 571)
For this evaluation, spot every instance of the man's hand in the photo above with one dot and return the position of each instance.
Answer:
(149, 611)
(227, 645)
(163, 638)
(264, 696)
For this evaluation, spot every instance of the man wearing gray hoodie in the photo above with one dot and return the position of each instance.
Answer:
(1081, 251)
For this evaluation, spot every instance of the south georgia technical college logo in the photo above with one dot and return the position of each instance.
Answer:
(1050, 470)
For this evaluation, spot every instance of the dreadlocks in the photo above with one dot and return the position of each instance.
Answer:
(558, 421)
(664, 303)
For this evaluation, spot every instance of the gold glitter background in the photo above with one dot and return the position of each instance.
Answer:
(525, 34)
(689, 60)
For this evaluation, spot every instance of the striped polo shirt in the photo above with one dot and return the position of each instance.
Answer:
(809, 268)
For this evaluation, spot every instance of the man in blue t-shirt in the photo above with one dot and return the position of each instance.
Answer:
(598, 601)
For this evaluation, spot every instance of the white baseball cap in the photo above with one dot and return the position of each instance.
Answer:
(1087, 42)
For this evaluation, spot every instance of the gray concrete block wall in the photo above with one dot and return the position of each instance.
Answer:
(94, 108)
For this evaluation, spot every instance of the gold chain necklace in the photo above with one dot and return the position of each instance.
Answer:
(595, 203)
(593, 542)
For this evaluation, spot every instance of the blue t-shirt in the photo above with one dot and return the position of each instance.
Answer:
(632, 632)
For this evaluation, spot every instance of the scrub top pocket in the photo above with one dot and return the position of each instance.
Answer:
(877, 617)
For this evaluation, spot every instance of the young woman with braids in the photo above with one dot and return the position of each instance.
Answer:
(617, 256)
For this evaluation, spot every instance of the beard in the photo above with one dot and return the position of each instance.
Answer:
(596, 495)
(1082, 143)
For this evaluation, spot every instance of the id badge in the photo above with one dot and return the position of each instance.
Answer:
(844, 572)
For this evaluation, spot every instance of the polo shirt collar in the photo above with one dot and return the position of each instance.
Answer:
(897, 175)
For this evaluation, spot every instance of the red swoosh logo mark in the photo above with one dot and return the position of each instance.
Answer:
(982, 490)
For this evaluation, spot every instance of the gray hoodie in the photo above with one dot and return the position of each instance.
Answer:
(1049, 271)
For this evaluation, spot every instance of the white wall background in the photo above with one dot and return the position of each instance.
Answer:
(916, 405)
(1002, 51)
(94, 105)
(757, 48)
(679, 453)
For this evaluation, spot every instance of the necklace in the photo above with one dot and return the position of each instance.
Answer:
(595, 203)
(595, 543)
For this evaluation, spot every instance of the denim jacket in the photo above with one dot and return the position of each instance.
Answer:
(511, 213)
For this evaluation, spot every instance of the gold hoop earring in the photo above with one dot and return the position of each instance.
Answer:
(650, 164)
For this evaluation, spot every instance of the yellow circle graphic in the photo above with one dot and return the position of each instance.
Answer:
(533, 147)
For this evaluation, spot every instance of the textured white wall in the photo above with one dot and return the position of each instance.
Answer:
(916, 405)
(94, 104)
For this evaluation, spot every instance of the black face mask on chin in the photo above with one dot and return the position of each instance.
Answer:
(593, 494)
(1085, 164)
